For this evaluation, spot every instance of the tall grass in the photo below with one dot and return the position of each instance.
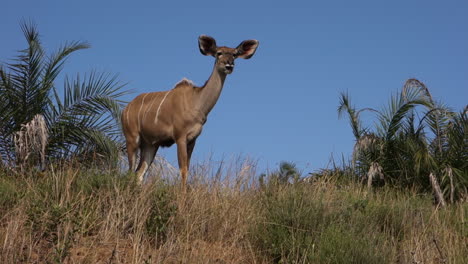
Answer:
(331, 223)
(74, 215)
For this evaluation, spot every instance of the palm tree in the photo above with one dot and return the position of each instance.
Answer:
(79, 123)
(403, 151)
(286, 173)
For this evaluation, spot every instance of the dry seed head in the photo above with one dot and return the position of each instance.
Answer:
(31, 140)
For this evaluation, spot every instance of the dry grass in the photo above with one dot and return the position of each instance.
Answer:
(72, 216)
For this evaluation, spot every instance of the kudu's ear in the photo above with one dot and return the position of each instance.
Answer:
(247, 48)
(207, 45)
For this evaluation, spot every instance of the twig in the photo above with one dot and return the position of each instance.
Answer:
(113, 254)
(440, 252)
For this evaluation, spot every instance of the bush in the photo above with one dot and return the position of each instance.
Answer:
(338, 244)
(402, 151)
(9, 194)
(161, 210)
(304, 224)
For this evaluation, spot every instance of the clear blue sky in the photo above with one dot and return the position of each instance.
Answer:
(281, 104)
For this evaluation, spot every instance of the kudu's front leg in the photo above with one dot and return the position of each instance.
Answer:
(182, 157)
(190, 146)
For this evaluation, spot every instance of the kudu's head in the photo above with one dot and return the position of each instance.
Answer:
(225, 56)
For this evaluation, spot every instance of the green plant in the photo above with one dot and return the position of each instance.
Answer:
(303, 224)
(338, 244)
(162, 210)
(285, 174)
(9, 194)
(289, 228)
(403, 151)
(37, 122)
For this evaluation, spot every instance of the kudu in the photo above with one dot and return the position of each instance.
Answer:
(160, 119)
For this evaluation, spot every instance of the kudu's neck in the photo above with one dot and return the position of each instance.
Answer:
(211, 91)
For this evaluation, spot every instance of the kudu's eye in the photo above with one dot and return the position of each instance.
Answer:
(219, 53)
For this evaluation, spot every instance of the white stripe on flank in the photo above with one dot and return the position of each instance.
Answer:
(149, 107)
(127, 109)
(159, 107)
(141, 106)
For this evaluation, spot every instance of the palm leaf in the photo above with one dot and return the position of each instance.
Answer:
(56, 61)
(346, 107)
(391, 117)
(89, 104)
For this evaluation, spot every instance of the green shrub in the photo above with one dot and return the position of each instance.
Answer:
(291, 223)
(162, 210)
(338, 244)
(303, 224)
(9, 194)
(95, 181)
(402, 150)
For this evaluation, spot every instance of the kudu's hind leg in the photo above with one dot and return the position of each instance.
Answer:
(147, 154)
(132, 148)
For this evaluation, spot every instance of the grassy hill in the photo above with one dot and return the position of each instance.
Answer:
(77, 215)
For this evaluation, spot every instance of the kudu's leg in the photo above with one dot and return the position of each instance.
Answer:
(182, 156)
(132, 148)
(147, 154)
(190, 146)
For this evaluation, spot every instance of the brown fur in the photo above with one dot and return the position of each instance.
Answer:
(160, 119)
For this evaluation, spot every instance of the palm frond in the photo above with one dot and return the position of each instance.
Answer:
(456, 149)
(89, 104)
(415, 89)
(391, 117)
(6, 109)
(346, 107)
(97, 147)
(437, 121)
(56, 61)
